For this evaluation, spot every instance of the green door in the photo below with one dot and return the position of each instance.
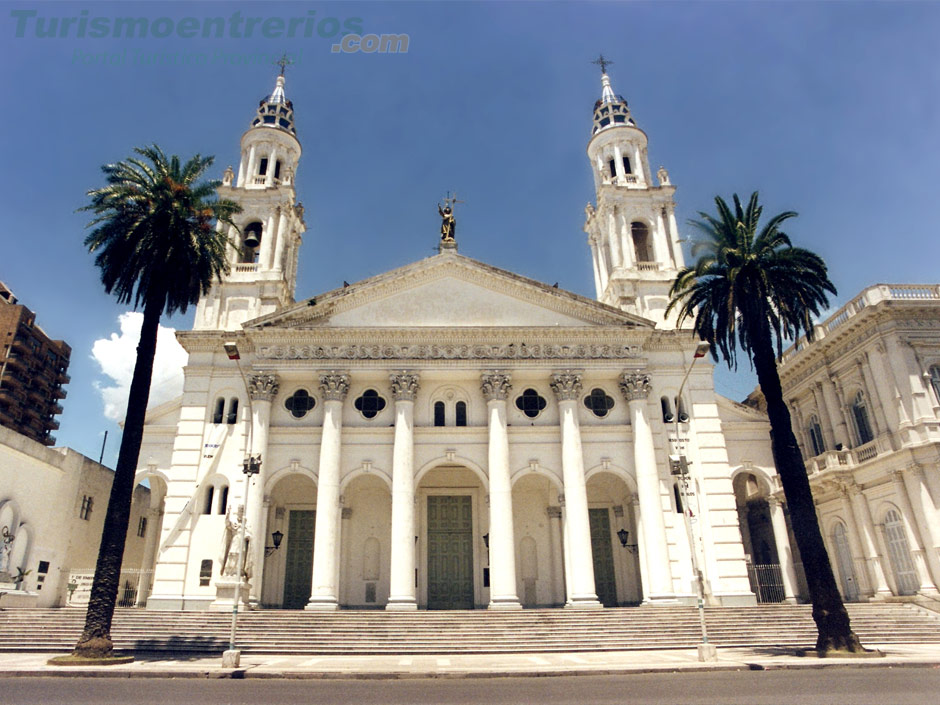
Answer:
(299, 572)
(450, 553)
(604, 582)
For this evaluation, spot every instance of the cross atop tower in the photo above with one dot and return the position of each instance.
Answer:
(602, 62)
(283, 62)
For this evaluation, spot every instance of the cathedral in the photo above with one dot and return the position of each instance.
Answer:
(448, 434)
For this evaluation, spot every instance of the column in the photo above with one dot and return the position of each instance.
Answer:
(625, 238)
(913, 537)
(242, 163)
(869, 540)
(674, 237)
(558, 559)
(877, 404)
(784, 553)
(825, 420)
(636, 388)
(855, 545)
(660, 245)
(496, 386)
(280, 240)
(616, 251)
(402, 576)
(581, 590)
(836, 414)
(599, 281)
(333, 389)
(267, 244)
(262, 388)
(252, 166)
(154, 521)
(618, 163)
(272, 161)
(925, 515)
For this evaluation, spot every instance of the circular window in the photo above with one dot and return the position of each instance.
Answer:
(370, 403)
(531, 403)
(299, 403)
(598, 402)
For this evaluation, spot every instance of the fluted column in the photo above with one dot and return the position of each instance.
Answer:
(581, 589)
(674, 236)
(636, 388)
(558, 558)
(496, 386)
(280, 239)
(784, 553)
(616, 251)
(333, 389)
(913, 535)
(402, 576)
(262, 388)
(836, 415)
(869, 540)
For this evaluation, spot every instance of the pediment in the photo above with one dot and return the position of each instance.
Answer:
(448, 291)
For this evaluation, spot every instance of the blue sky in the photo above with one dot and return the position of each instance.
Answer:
(829, 109)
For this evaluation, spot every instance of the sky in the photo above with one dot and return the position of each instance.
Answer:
(829, 109)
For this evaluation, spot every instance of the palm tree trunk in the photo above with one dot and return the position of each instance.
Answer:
(95, 641)
(832, 620)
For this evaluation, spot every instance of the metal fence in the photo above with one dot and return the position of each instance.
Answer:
(766, 581)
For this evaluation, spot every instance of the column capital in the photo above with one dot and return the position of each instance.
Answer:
(495, 385)
(566, 384)
(915, 470)
(898, 476)
(774, 502)
(334, 385)
(635, 385)
(404, 385)
(263, 386)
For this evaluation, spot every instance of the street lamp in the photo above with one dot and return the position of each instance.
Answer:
(679, 466)
(250, 466)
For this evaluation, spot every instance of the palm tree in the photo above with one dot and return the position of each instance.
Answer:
(753, 289)
(156, 243)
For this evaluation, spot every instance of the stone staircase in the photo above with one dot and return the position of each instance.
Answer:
(481, 631)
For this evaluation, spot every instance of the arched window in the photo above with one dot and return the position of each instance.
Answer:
(232, 417)
(641, 241)
(935, 380)
(251, 243)
(626, 165)
(612, 165)
(438, 413)
(223, 499)
(667, 410)
(862, 425)
(815, 435)
(210, 493)
(219, 412)
(460, 415)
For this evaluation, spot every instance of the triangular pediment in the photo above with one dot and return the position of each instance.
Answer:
(447, 291)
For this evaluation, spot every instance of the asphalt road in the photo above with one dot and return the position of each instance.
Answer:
(850, 686)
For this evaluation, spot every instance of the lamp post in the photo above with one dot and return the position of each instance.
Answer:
(250, 466)
(679, 466)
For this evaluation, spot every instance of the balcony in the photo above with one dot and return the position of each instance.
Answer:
(56, 409)
(647, 266)
(64, 378)
(845, 459)
(16, 361)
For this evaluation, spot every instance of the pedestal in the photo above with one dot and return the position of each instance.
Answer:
(225, 591)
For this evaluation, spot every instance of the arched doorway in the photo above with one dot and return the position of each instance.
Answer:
(538, 534)
(765, 572)
(288, 571)
(453, 557)
(616, 566)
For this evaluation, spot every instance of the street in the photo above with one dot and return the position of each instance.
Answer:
(845, 686)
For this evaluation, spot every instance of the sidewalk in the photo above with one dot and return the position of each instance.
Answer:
(465, 665)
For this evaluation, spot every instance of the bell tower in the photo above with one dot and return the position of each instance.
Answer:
(632, 229)
(264, 247)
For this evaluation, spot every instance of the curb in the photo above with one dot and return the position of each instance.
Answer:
(254, 673)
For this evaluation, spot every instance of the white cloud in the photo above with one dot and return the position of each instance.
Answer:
(117, 355)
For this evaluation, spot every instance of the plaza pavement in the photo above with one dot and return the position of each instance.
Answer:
(466, 665)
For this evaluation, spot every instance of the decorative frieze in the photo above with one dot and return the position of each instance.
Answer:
(263, 386)
(502, 351)
(635, 385)
(404, 385)
(334, 385)
(566, 385)
(495, 385)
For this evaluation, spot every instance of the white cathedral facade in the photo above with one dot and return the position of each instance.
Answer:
(451, 435)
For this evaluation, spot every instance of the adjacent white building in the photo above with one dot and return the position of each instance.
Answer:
(865, 402)
(449, 434)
